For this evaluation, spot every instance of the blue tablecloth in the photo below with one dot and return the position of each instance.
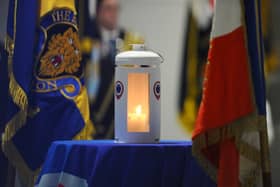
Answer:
(109, 164)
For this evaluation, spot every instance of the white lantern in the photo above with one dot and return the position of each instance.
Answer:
(137, 96)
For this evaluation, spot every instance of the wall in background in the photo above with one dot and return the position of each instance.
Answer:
(162, 24)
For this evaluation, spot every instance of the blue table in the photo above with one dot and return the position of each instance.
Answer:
(109, 164)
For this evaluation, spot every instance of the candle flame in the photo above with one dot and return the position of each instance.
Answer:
(137, 120)
(138, 110)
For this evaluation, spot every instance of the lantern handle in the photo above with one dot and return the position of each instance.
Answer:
(162, 59)
(142, 47)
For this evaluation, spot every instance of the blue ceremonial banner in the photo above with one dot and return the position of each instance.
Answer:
(48, 100)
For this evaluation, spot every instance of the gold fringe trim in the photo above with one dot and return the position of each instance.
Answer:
(250, 178)
(9, 45)
(249, 152)
(18, 94)
(204, 163)
(19, 97)
(252, 123)
(13, 126)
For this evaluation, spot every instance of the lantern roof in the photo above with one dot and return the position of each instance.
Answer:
(138, 56)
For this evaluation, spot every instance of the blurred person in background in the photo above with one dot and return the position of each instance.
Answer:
(101, 38)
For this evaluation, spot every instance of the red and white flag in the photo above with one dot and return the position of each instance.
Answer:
(230, 136)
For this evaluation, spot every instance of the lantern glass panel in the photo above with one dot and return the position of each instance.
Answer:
(138, 114)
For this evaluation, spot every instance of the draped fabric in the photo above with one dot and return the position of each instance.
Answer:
(48, 100)
(109, 164)
(230, 137)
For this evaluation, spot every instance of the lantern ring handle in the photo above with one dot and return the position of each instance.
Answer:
(162, 59)
(143, 47)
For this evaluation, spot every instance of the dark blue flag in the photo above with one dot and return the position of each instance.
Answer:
(47, 98)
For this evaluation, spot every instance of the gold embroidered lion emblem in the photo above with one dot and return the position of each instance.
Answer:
(63, 55)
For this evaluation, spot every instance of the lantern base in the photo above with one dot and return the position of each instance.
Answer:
(137, 141)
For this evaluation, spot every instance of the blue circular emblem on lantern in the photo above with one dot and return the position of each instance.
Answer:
(119, 89)
(157, 90)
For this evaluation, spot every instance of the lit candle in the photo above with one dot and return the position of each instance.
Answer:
(137, 120)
